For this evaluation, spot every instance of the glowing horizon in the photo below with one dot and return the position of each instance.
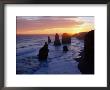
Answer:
(53, 24)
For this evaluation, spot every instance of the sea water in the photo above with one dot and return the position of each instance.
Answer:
(58, 62)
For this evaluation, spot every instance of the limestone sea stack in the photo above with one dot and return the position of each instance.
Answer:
(43, 52)
(66, 38)
(65, 48)
(49, 40)
(57, 40)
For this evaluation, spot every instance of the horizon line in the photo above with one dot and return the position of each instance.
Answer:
(49, 34)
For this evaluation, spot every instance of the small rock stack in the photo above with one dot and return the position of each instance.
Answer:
(49, 40)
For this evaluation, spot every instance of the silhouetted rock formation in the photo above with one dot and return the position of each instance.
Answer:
(57, 40)
(43, 52)
(80, 35)
(49, 40)
(86, 65)
(65, 48)
(66, 38)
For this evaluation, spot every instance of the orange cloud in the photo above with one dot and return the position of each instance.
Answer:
(51, 24)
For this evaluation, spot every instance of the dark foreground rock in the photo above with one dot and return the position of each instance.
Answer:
(57, 40)
(43, 52)
(66, 38)
(86, 62)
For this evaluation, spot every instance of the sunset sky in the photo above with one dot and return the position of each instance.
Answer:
(53, 24)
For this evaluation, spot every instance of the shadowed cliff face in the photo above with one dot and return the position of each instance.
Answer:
(86, 65)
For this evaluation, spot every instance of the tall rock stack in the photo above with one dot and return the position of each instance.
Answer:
(86, 65)
(57, 40)
(66, 38)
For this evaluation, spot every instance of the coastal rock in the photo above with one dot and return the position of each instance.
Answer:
(43, 52)
(66, 38)
(86, 65)
(80, 35)
(65, 48)
(49, 40)
(57, 40)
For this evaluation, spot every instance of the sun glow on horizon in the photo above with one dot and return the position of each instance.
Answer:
(57, 30)
(61, 25)
(83, 28)
(72, 30)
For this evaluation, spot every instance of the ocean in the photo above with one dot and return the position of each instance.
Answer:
(58, 62)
